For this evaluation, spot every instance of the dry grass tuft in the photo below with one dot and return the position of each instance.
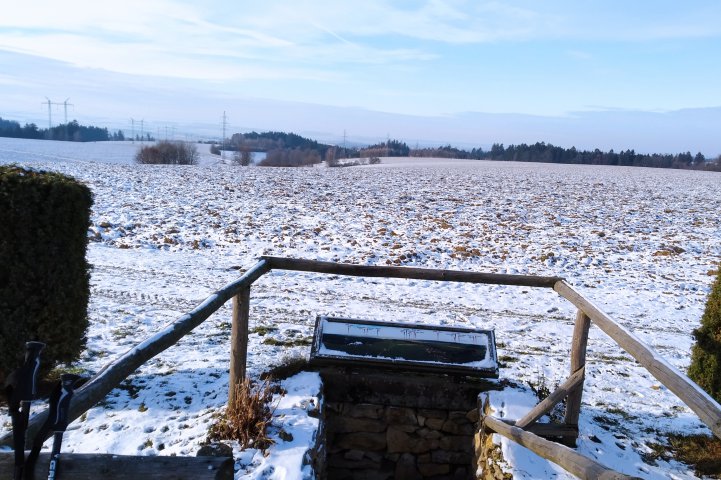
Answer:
(247, 418)
(701, 451)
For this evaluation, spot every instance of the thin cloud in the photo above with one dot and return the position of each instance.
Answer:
(445, 54)
(579, 55)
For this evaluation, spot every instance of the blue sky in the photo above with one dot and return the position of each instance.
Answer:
(466, 72)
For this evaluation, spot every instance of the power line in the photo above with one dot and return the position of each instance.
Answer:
(50, 103)
(65, 104)
(225, 125)
(50, 114)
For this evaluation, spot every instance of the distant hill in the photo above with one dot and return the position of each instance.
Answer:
(289, 149)
(266, 141)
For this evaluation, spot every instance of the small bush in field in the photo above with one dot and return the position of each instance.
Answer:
(168, 153)
(247, 418)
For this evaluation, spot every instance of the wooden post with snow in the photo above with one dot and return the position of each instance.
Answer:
(112, 374)
(578, 361)
(239, 340)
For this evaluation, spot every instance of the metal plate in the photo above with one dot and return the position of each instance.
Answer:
(420, 347)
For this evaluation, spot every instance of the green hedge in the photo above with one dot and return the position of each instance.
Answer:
(705, 366)
(44, 279)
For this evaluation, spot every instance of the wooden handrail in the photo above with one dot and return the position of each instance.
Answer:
(118, 370)
(91, 466)
(409, 273)
(699, 401)
(579, 465)
(707, 409)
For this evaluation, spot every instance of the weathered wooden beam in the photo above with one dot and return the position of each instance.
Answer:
(119, 369)
(125, 467)
(544, 429)
(708, 410)
(579, 465)
(553, 399)
(578, 360)
(239, 341)
(409, 273)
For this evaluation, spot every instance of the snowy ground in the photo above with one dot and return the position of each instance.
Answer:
(638, 242)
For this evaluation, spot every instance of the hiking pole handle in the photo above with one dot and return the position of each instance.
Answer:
(26, 388)
(60, 418)
(21, 391)
(67, 388)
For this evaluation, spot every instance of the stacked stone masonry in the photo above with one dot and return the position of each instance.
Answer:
(489, 458)
(373, 441)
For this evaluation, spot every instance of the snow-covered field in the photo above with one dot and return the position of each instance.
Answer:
(638, 242)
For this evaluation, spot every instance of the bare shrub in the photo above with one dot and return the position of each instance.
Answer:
(243, 158)
(287, 157)
(330, 159)
(168, 153)
(542, 389)
(248, 417)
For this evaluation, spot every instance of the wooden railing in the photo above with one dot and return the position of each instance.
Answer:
(119, 369)
(521, 430)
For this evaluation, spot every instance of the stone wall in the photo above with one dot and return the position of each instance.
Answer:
(371, 441)
(399, 425)
(488, 454)
(489, 458)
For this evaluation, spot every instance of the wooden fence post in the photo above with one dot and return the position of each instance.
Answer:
(239, 340)
(112, 374)
(578, 361)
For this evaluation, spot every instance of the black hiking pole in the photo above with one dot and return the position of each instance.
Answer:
(59, 416)
(21, 390)
(48, 426)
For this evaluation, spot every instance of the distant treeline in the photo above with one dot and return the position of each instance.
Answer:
(289, 149)
(391, 148)
(72, 131)
(547, 153)
(268, 141)
(282, 149)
